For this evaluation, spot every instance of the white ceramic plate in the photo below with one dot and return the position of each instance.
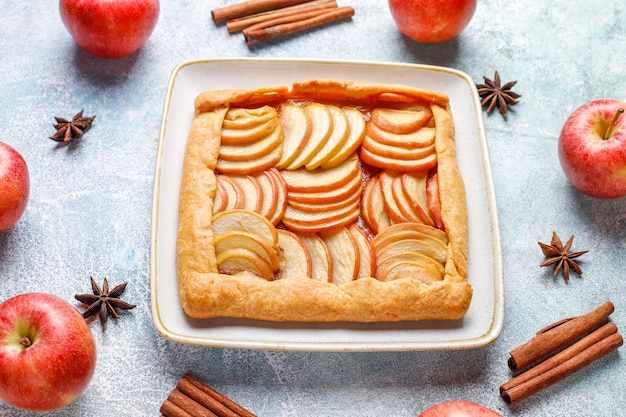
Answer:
(482, 323)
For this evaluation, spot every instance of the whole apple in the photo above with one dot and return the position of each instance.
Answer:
(459, 408)
(47, 352)
(14, 186)
(110, 28)
(592, 148)
(432, 21)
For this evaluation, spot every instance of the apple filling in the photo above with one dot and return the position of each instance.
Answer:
(327, 201)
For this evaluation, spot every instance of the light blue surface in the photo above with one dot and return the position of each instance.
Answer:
(90, 206)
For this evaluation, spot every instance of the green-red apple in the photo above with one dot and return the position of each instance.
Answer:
(47, 352)
(592, 148)
(432, 21)
(14, 186)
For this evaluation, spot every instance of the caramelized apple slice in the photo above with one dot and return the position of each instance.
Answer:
(294, 257)
(400, 121)
(402, 245)
(321, 260)
(245, 221)
(344, 253)
(421, 228)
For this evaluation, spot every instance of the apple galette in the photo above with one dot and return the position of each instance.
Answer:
(323, 201)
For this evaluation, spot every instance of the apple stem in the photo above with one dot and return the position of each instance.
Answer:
(25, 341)
(609, 130)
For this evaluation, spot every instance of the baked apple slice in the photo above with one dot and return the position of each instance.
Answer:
(412, 187)
(353, 186)
(373, 208)
(303, 221)
(345, 255)
(296, 131)
(367, 255)
(241, 261)
(337, 139)
(238, 118)
(294, 257)
(250, 241)
(231, 192)
(421, 138)
(400, 121)
(268, 194)
(281, 195)
(321, 129)
(303, 180)
(321, 260)
(251, 166)
(356, 127)
(251, 190)
(255, 150)
(247, 136)
(245, 221)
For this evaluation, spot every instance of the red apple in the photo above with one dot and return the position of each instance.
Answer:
(459, 408)
(14, 186)
(47, 352)
(432, 21)
(110, 28)
(592, 148)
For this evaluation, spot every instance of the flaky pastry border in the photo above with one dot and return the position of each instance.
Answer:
(204, 293)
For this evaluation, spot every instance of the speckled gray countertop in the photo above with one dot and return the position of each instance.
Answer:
(90, 207)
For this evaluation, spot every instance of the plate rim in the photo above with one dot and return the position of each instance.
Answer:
(497, 318)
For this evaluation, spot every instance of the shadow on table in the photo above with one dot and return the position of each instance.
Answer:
(104, 72)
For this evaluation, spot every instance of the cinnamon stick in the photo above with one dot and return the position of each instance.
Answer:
(250, 7)
(241, 411)
(265, 34)
(205, 398)
(187, 404)
(516, 393)
(558, 337)
(169, 409)
(301, 15)
(236, 25)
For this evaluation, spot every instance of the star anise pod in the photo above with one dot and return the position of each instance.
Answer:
(103, 301)
(70, 130)
(493, 95)
(560, 255)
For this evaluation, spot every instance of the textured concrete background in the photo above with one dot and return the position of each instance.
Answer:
(90, 206)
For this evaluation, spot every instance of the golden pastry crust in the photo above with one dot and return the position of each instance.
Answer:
(205, 293)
